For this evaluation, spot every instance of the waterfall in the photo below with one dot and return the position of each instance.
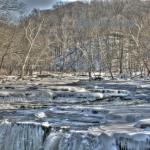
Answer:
(39, 136)
(138, 141)
(20, 136)
(78, 141)
(86, 141)
(52, 141)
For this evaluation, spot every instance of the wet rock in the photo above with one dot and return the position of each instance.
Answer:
(132, 118)
(32, 88)
(94, 111)
(145, 123)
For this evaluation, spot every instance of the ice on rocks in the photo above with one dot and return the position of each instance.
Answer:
(144, 123)
(40, 115)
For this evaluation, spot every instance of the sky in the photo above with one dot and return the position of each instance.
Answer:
(43, 4)
(30, 5)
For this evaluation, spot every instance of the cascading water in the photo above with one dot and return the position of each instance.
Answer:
(35, 136)
(32, 137)
(67, 118)
(20, 136)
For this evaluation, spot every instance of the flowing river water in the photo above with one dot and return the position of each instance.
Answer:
(85, 115)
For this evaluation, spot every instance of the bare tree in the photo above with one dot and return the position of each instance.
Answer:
(31, 35)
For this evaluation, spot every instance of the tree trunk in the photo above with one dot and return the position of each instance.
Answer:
(147, 68)
(121, 58)
(111, 74)
(7, 49)
(31, 41)
(90, 75)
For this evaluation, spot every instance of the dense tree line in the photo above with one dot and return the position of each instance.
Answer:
(110, 36)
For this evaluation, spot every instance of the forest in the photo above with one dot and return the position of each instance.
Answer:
(109, 37)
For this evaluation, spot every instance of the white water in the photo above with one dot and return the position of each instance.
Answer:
(98, 116)
(32, 136)
(20, 137)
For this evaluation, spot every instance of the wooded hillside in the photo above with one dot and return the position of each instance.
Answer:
(102, 36)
